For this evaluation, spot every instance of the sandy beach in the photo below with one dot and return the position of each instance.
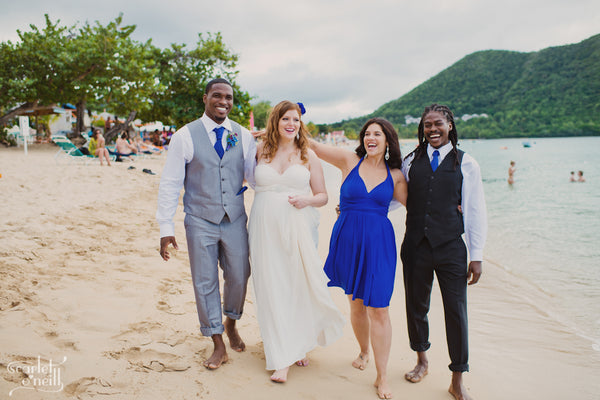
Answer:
(85, 295)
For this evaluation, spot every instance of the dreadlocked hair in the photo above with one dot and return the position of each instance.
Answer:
(271, 137)
(421, 149)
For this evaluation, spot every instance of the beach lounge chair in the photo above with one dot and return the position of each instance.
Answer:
(69, 151)
(120, 156)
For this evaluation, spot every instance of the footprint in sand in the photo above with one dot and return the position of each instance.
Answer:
(91, 386)
(169, 309)
(260, 351)
(170, 288)
(141, 333)
(145, 332)
(61, 343)
(151, 360)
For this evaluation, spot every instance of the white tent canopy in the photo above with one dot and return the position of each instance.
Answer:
(152, 126)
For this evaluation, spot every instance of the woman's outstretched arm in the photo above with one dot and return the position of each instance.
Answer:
(344, 159)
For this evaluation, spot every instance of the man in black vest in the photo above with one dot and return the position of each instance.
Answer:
(445, 200)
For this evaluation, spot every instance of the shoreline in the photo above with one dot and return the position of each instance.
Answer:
(83, 279)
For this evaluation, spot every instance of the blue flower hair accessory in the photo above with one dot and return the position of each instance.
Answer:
(302, 109)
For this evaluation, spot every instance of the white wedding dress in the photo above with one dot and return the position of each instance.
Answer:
(294, 307)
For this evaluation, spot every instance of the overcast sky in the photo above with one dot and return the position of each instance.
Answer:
(341, 58)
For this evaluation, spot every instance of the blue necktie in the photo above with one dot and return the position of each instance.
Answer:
(218, 145)
(434, 161)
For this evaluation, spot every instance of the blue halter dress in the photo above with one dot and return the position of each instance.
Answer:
(362, 251)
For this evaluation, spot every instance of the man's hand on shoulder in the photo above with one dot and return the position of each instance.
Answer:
(258, 134)
(164, 245)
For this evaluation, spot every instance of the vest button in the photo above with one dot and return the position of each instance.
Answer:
(431, 177)
(223, 179)
(223, 192)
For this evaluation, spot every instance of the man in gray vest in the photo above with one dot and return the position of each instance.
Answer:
(209, 158)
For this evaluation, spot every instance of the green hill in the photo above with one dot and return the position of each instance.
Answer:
(551, 92)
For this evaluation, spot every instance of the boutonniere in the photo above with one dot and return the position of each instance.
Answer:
(232, 140)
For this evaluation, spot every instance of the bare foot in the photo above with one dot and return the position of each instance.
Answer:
(383, 390)
(303, 362)
(280, 376)
(417, 374)
(457, 388)
(235, 341)
(459, 393)
(361, 361)
(219, 356)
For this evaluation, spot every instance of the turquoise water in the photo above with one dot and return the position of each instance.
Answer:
(544, 229)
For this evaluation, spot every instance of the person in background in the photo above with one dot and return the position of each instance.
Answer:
(445, 200)
(108, 124)
(580, 177)
(511, 173)
(572, 178)
(145, 148)
(97, 147)
(123, 146)
(156, 138)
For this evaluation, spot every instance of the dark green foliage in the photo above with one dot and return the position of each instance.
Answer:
(262, 109)
(552, 92)
(102, 68)
(5, 139)
(183, 74)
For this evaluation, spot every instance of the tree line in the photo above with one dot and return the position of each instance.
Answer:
(101, 67)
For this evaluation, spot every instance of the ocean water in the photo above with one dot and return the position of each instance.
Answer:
(544, 230)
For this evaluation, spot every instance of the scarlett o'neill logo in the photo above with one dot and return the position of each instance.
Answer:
(43, 376)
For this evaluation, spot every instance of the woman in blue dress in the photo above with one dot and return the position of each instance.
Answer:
(362, 252)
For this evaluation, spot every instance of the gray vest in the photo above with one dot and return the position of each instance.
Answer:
(211, 183)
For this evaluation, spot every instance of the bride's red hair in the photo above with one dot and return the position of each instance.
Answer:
(272, 136)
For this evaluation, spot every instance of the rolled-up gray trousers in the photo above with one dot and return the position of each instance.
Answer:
(209, 246)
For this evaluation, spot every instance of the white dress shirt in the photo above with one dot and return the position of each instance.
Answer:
(180, 153)
(473, 201)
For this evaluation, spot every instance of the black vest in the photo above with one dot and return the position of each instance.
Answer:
(433, 200)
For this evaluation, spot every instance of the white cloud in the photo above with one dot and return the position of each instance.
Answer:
(341, 58)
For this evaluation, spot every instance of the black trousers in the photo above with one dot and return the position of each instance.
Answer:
(449, 262)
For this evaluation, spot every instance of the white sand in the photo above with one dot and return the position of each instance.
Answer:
(81, 278)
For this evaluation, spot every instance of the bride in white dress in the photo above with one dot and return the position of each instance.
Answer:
(294, 307)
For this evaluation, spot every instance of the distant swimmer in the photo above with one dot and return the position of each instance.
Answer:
(511, 173)
(580, 176)
(573, 178)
